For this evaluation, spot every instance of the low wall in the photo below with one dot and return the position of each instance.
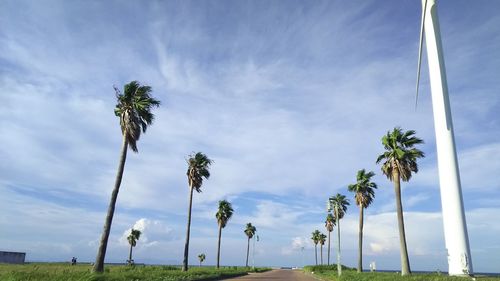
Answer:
(12, 257)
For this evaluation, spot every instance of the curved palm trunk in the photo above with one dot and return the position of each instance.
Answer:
(405, 263)
(248, 250)
(360, 238)
(339, 266)
(328, 247)
(218, 246)
(130, 255)
(316, 253)
(321, 252)
(101, 252)
(186, 246)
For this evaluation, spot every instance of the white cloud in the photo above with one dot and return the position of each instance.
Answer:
(152, 232)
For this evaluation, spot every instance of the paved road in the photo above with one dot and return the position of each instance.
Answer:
(277, 274)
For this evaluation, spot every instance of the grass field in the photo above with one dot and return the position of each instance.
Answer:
(82, 272)
(330, 273)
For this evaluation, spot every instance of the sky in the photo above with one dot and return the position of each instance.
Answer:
(289, 98)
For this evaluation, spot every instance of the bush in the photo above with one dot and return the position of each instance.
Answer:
(322, 268)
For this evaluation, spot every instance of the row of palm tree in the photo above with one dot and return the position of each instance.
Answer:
(399, 161)
(134, 110)
(223, 214)
(338, 205)
(318, 237)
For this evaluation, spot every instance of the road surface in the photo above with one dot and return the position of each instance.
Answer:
(277, 274)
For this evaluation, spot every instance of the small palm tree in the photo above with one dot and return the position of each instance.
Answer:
(322, 240)
(198, 169)
(329, 224)
(134, 110)
(250, 232)
(201, 257)
(223, 215)
(338, 204)
(364, 190)
(315, 238)
(132, 240)
(399, 162)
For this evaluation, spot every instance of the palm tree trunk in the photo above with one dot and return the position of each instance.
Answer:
(360, 240)
(321, 251)
(328, 247)
(316, 253)
(186, 247)
(339, 266)
(130, 255)
(101, 252)
(218, 245)
(248, 250)
(405, 263)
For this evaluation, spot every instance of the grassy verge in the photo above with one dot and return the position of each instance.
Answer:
(330, 273)
(66, 272)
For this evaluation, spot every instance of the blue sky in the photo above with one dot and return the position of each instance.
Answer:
(289, 98)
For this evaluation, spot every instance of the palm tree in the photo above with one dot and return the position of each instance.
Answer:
(364, 191)
(399, 161)
(134, 110)
(338, 204)
(132, 240)
(315, 238)
(322, 240)
(329, 224)
(201, 257)
(223, 215)
(250, 232)
(198, 168)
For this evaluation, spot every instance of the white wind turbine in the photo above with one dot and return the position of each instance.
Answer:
(455, 226)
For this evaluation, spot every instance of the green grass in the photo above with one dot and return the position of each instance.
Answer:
(330, 273)
(82, 272)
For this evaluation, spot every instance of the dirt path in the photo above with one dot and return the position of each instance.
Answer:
(277, 274)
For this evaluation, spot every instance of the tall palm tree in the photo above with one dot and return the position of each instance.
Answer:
(399, 161)
(223, 215)
(322, 240)
(198, 169)
(315, 238)
(329, 224)
(364, 190)
(134, 110)
(201, 257)
(132, 240)
(338, 205)
(250, 232)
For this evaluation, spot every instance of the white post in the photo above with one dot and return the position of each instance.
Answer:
(455, 227)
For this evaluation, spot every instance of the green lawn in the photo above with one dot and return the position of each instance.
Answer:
(82, 272)
(330, 273)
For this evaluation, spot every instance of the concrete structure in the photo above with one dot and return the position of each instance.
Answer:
(12, 257)
(455, 226)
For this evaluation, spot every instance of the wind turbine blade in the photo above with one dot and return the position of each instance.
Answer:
(420, 51)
